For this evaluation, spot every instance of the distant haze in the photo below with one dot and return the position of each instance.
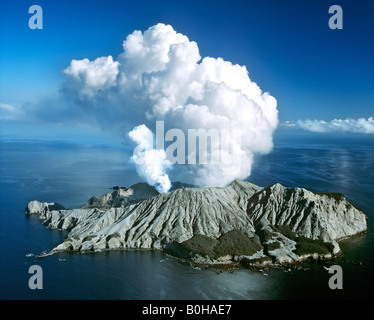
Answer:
(361, 125)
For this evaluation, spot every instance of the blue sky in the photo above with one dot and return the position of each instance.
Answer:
(287, 47)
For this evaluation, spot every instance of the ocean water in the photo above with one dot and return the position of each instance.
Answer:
(70, 174)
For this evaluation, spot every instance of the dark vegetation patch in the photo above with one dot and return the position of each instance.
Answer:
(306, 246)
(273, 246)
(236, 243)
(350, 204)
(265, 235)
(55, 206)
(337, 196)
(177, 250)
(200, 244)
(285, 230)
(332, 195)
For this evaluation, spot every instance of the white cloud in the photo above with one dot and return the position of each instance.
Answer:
(10, 113)
(90, 77)
(289, 124)
(160, 75)
(361, 125)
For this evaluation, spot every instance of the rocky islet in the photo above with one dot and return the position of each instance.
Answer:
(241, 223)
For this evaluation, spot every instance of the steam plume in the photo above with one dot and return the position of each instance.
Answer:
(160, 75)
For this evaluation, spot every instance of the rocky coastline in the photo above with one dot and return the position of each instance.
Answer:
(241, 224)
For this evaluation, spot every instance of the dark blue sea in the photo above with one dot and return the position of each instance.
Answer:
(70, 173)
